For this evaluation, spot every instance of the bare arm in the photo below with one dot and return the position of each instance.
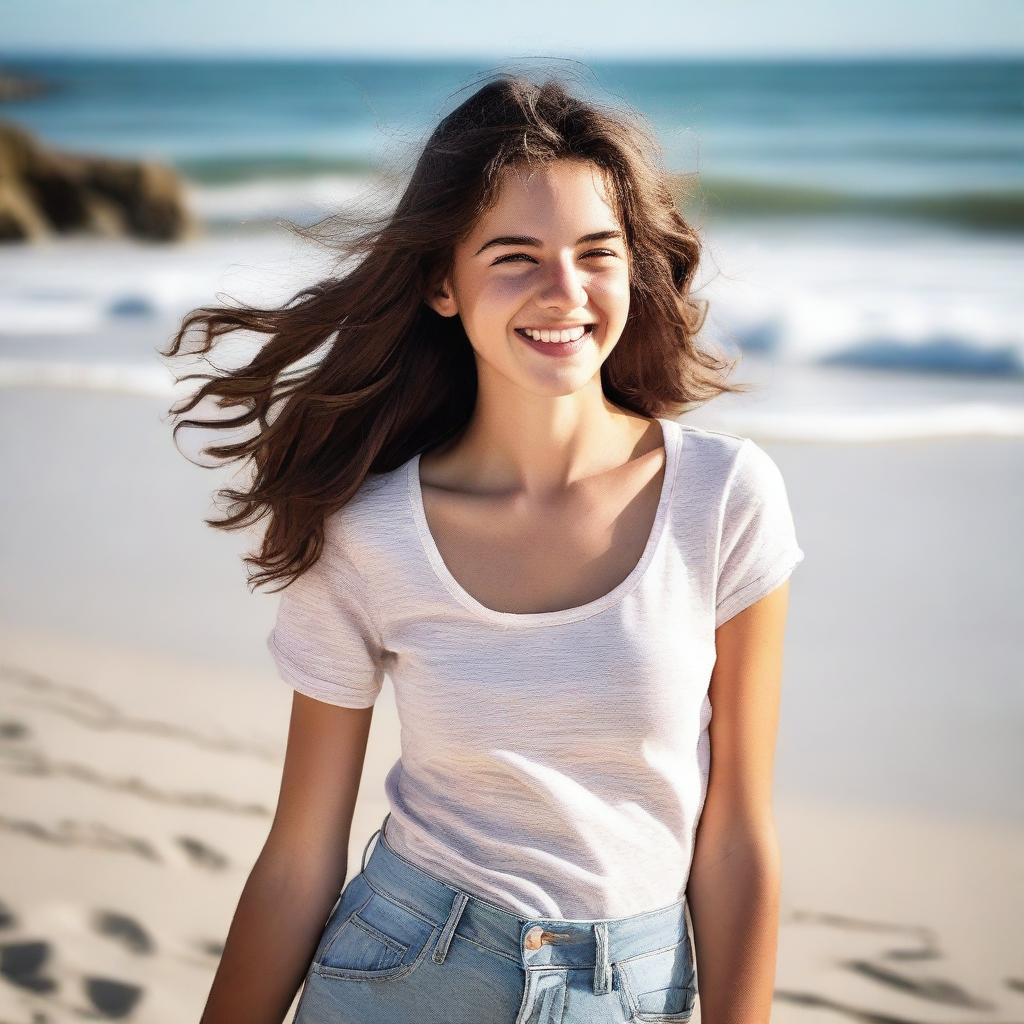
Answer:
(735, 877)
(298, 875)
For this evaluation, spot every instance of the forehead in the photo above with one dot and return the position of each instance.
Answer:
(560, 194)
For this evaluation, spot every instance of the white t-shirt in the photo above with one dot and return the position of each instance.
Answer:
(553, 763)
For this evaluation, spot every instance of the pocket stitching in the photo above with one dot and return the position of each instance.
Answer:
(375, 933)
(384, 894)
(655, 952)
(389, 974)
(634, 1004)
(641, 1015)
(322, 954)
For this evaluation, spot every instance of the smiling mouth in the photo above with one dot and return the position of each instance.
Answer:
(574, 335)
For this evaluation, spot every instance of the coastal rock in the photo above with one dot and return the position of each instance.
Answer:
(45, 192)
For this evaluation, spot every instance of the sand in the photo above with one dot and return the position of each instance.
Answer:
(143, 726)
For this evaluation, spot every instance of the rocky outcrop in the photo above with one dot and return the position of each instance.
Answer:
(44, 192)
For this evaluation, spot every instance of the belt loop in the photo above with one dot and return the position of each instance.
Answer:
(362, 866)
(445, 938)
(602, 968)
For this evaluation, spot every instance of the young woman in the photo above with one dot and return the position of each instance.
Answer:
(480, 488)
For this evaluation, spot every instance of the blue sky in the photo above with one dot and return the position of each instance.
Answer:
(515, 28)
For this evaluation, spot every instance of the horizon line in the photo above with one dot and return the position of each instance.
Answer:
(435, 57)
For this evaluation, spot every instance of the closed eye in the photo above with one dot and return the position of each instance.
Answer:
(515, 256)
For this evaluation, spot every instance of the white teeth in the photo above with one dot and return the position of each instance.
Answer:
(556, 337)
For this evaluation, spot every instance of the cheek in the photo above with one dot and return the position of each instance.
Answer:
(612, 294)
(497, 301)
(488, 311)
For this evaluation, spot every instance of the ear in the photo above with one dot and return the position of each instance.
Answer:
(442, 301)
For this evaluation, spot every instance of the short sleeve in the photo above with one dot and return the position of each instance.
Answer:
(325, 641)
(758, 548)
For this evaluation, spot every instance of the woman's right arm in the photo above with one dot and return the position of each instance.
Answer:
(300, 871)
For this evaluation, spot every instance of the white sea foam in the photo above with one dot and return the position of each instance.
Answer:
(966, 419)
(875, 297)
(875, 335)
(297, 198)
(111, 377)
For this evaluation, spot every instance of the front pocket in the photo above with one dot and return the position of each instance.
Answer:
(660, 986)
(380, 939)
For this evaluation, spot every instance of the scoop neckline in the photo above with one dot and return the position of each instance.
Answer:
(672, 437)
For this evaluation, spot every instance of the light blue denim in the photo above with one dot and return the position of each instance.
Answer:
(402, 946)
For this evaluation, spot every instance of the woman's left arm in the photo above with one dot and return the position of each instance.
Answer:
(735, 877)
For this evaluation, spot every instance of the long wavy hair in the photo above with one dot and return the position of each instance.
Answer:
(395, 378)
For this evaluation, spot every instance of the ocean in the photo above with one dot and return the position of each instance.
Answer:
(864, 220)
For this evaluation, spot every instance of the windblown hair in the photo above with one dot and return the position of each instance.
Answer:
(395, 377)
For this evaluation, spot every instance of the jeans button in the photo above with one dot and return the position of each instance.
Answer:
(533, 937)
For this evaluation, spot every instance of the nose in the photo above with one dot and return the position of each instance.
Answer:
(563, 287)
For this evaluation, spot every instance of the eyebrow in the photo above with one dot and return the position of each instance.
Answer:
(594, 236)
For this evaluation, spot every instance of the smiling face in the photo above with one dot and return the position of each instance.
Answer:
(549, 253)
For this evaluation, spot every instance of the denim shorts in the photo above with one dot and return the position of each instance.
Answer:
(402, 945)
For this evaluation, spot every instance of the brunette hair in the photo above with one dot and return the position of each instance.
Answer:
(397, 378)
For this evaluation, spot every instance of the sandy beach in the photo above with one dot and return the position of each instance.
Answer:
(143, 725)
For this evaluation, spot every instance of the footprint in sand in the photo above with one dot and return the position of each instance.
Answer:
(112, 998)
(26, 965)
(11, 730)
(212, 948)
(935, 990)
(124, 929)
(914, 944)
(202, 854)
(22, 964)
